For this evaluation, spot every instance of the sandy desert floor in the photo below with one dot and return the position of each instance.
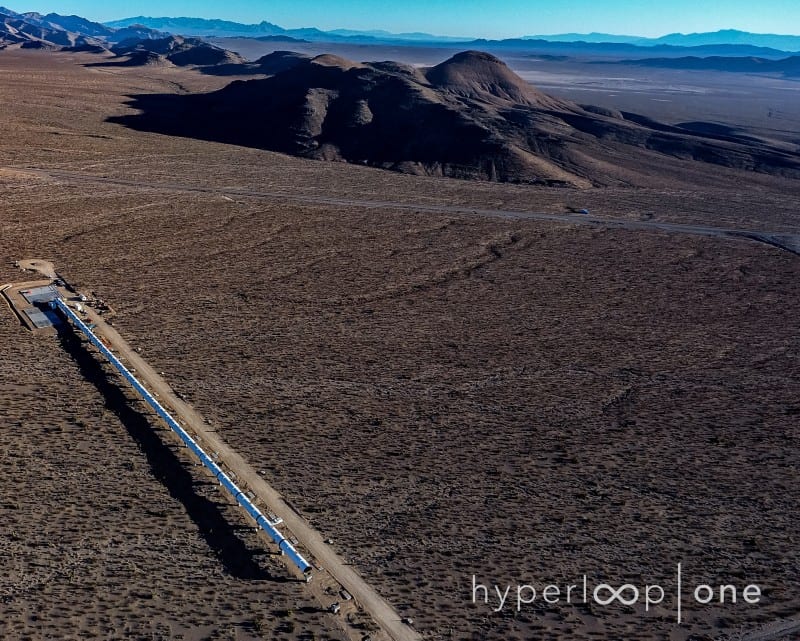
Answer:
(442, 395)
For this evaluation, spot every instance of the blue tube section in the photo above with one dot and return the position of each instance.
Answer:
(283, 544)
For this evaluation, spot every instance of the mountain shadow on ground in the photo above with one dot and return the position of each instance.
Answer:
(469, 117)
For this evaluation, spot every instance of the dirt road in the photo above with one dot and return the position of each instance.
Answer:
(775, 631)
(780, 240)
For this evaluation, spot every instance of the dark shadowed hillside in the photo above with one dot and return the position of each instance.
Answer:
(469, 117)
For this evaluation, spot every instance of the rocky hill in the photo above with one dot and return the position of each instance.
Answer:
(469, 117)
(177, 50)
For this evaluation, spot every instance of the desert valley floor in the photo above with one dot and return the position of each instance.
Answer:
(441, 393)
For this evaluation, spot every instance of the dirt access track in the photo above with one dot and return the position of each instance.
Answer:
(787, 242)
(324, 558)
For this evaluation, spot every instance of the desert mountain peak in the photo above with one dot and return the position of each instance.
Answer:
(481, 76)
(330, 60)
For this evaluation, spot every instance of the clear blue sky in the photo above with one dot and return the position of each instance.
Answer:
(480, 18)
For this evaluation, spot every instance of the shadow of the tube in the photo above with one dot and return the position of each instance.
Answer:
(220, 535)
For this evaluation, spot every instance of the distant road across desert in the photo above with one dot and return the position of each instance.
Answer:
(780, 240)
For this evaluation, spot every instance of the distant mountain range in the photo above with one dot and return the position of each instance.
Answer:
(620, 49)
(225, 28)
(789, 67)
(34, 30)
(723, 37)
(133, 45)
(593, 37)
(731, 37)
(723, 50)
(228, 29)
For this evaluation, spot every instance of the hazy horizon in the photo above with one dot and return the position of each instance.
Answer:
(468, 18)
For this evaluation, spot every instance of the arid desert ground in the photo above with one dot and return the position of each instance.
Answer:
(442, 393)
